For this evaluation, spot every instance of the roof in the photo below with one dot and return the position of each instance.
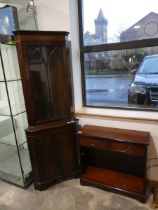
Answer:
(138, 22)
(100, 16)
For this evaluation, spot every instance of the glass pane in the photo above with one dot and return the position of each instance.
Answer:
(16, 97)
(47, 78)
(25, 159)
(4, 105)
(20, 123)
(1, 72)
(122, 78)
(6, 130)
(10, 62)
(9, 161)
(112, 21)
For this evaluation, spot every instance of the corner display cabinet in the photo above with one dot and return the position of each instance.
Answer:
(46, 79)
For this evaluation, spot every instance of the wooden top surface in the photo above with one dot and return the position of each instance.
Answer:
(131, 136)
(40, 36)
(36, 32)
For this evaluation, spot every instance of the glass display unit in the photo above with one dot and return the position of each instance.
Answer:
(15, 165)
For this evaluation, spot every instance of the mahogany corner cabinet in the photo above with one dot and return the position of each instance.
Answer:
(114, 159)
(46, 79)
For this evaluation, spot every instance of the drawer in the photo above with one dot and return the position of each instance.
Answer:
(109, 145)
(128, 148)
(94, 143)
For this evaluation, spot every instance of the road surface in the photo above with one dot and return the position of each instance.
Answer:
(106, 90)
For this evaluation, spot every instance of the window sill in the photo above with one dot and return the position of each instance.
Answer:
(115, 113)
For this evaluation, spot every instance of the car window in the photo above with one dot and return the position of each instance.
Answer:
(149, 66)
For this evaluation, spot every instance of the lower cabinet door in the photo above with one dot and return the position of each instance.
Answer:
(54, 155)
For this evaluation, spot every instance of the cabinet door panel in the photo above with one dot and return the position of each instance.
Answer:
(70, 157)
(56, 153)
(50, 152)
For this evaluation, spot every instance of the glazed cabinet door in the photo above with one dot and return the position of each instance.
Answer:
(48, 82)
(44, 67)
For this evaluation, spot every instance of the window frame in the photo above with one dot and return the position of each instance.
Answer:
(153, 42)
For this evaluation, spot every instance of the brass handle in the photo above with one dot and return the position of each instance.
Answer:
(69, 122)
(125, 148)
(92, 144)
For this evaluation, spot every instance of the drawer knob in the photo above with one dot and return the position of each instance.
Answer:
(125, 148)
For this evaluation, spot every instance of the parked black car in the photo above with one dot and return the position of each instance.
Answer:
(144, 86)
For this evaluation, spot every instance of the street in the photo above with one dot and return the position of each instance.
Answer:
(104, 90)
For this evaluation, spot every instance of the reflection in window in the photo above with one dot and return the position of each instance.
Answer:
(113, 78)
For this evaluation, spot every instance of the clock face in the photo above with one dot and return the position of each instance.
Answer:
(151, 28)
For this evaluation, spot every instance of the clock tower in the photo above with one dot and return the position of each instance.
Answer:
(101, 27)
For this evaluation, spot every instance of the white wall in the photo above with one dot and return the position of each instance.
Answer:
(60, 13)
(52, 15)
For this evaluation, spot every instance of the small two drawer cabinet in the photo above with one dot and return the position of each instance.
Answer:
(114, 159)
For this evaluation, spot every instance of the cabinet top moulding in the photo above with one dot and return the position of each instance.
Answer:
(116, 134)
(36, 36)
